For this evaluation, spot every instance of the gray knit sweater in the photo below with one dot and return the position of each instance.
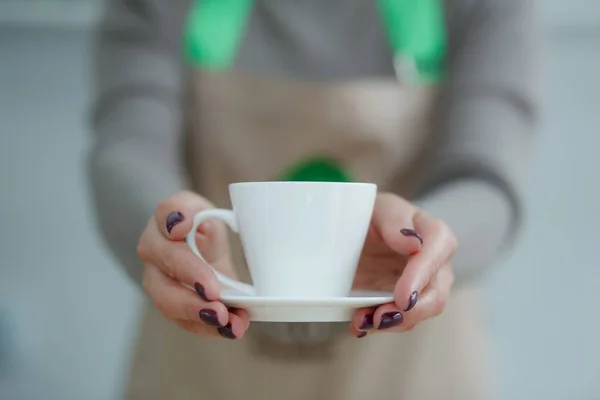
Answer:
(490, 106)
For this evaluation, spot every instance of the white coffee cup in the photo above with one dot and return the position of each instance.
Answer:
(300, 239)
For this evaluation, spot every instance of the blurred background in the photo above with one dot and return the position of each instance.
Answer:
(68, 314)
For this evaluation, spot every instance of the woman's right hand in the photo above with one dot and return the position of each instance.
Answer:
(169, 264)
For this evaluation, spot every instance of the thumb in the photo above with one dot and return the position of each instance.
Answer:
(175, 215)
(393, 220)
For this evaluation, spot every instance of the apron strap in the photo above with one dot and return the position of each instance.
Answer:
(415, 29)
(213, 32)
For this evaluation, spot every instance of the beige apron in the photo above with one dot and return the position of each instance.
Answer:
(251, 129)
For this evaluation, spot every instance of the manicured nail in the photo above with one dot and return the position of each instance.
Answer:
(173, 219)
(361, 335)
(390, 319)
(200, 289)
(209, 317)
(226, 331)
(411, 232)
(412, 301)
(367, 323)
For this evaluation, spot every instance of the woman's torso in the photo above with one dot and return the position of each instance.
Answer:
(311, 82)
(297, 93)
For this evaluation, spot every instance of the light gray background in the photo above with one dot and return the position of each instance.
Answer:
(68, 315)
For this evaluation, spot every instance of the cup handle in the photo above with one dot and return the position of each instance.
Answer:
(227, 216)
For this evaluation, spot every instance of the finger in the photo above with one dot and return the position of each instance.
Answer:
(439, 245)
(243, 314)
(434, 298)
(176, 302)
(212, 241)
(362, 322)
(393, 220)
(175, 216)
(388, 317)
(235, 329)
(178, 262)
(197, 328)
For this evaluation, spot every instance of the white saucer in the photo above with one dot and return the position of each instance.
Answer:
(281, 309)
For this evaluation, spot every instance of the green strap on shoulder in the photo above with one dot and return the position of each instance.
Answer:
(415, 30)
(214, 31)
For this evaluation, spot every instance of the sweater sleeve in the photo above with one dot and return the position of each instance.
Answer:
(135, 159)
(488, 118)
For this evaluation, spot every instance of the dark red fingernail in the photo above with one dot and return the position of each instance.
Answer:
(200, 289)
(173, 219)
(412, 301)
(390, 319)
(411, 232)
(361, 335)
(226, 332)
(209, 317)
(367, 323)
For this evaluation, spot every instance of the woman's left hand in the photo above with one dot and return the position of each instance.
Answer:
(407, 252)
